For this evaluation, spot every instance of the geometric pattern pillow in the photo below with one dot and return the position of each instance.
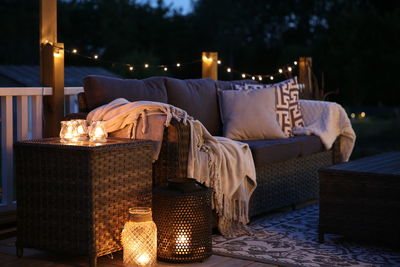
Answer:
(288, 113)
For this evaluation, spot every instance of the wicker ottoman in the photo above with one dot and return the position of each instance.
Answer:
(75, 198)
(361, 199)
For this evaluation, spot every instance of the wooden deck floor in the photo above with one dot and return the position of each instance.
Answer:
(36, 258)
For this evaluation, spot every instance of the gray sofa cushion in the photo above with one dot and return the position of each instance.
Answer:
(199, 98)
(275, 150)
(101, 90)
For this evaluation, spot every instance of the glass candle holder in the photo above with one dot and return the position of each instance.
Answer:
(68, 132)
(81, 130)
(139, 238)
(97, 132)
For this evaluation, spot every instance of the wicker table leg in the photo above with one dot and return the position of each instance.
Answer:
(93, 261)
(20, 251)
(321, 238)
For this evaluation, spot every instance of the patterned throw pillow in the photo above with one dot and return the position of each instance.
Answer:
(288, 111)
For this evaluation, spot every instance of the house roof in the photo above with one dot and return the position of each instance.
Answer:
(25, 75)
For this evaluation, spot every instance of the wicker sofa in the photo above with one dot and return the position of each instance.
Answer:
(286, 168)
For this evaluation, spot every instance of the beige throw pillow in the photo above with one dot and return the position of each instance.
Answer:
(250, 114)
(287, 103)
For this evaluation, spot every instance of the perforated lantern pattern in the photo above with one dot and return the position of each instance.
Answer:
(183, 222)
(139, 240)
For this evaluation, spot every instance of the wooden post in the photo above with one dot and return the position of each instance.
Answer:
(210, 65)
(305, 77)
(51, 67)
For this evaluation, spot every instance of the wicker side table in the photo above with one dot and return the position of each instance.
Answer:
(75, 198)
(361, 199)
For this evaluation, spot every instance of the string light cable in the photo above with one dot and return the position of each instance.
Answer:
(129, 66)
(285, 70)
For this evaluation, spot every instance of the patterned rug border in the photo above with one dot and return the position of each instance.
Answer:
(255, 259)
(289, 238)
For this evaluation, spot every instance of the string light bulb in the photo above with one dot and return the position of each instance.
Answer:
(96, 56)
(253, 78)
(295, 62)
(228, 69)
(146, 65)
(280, 70)
(363, 114)
(259, 78)
(219, 62)
(271, 78)
(178, 65)
(289, 68)
(243, 75)
(57, 53)
(74, 51)
(131, 68)
(207, 59)
(165, 68)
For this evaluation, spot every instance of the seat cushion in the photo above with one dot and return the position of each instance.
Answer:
(275, 150)
(100, 90)
(199, 98)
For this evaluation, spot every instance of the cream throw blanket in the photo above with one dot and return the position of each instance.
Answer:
(327, 120)
(225, 165)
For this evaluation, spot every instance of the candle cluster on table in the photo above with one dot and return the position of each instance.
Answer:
(78, 130)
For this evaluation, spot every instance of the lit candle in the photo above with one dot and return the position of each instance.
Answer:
(143, 259)
(97, 132)
(182, 243)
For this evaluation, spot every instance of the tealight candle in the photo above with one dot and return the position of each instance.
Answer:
(97, 132)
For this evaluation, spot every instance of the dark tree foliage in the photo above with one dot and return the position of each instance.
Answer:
(354, 44)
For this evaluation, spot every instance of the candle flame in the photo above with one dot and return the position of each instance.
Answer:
(143, 259)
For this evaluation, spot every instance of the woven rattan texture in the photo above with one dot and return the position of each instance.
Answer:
(183, 225)
(75, 199)
(173, 158)
(287, 183)
(361, 199)
(279, 184)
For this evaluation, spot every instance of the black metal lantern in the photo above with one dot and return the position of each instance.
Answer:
(182, 213)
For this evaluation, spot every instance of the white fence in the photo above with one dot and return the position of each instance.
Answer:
(23, 106)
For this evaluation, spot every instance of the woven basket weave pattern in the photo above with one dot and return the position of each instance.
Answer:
(75, 199)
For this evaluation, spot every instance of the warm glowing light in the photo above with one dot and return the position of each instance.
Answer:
(46, 41)
(253, 78)
(146, 65)
(74, 51)
(289, 68)
(131, 68)
(182, 244)
(165, 68)
(178, 64)
(97, 132)
(207, 59)
(243, 75)
(280, 70)
(96, 56)
(57, 54)
(219, 62)
(353, 115)
(228, 69)
(259, 78)
(295, 62)
(271, 78)
(139, 239)
(363, 114)
(143, 259)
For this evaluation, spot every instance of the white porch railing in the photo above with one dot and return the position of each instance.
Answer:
(28, 116)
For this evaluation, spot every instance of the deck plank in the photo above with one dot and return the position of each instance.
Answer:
(39, 258)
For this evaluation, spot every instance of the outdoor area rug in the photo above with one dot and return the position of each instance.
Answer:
(291, 239)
